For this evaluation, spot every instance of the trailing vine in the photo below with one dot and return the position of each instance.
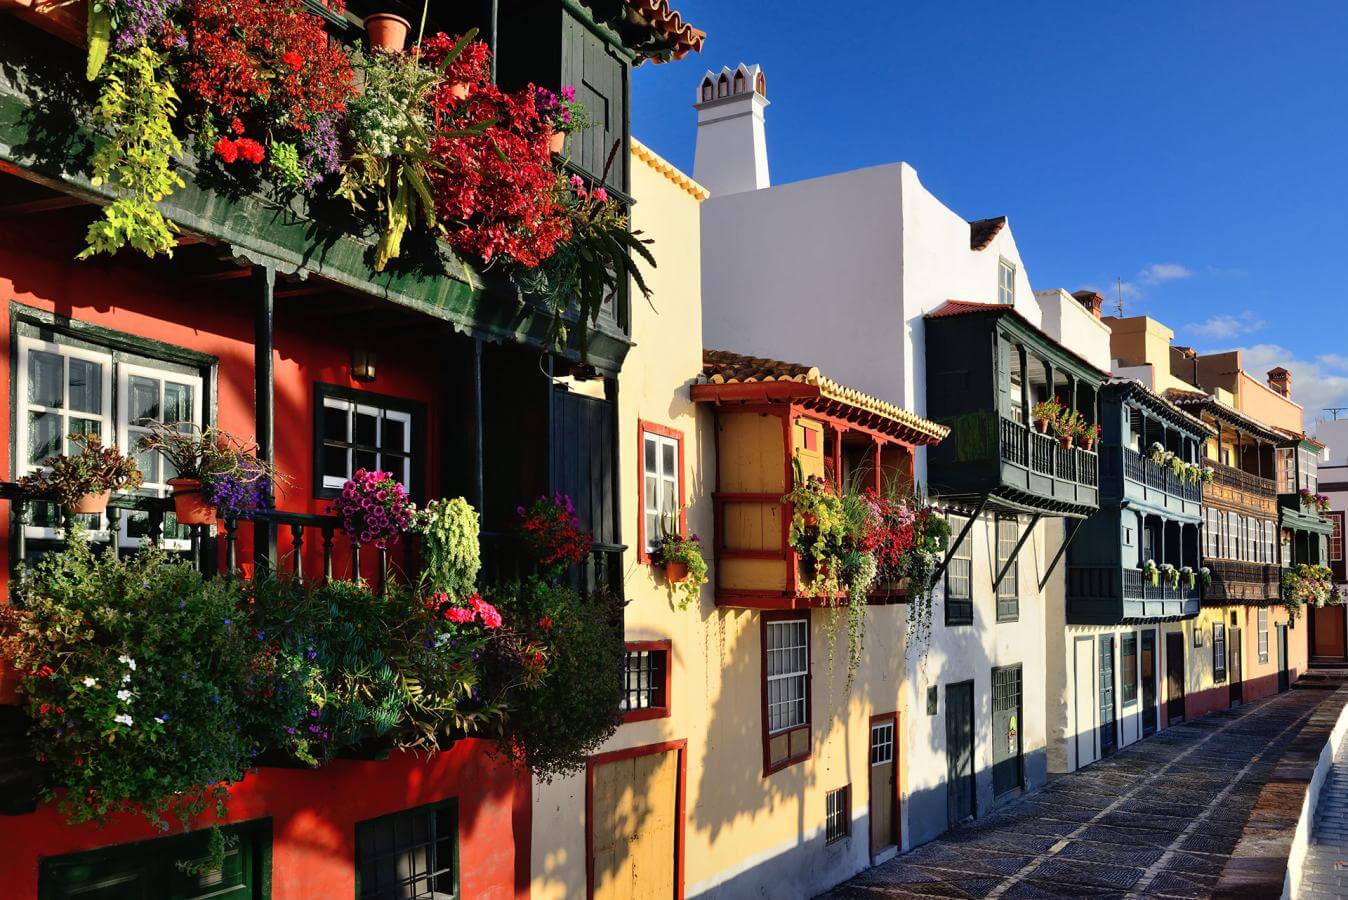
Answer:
(136, 105)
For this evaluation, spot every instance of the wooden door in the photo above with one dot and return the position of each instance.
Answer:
(635, 827)
(884, 786)
(1234, 674)
(1329, 632)
(961, 794)
(1109, 737)
(1174, 678)
(1148, 664)
(1284, 676)
(1083, 690)
(149, 869)
(1007, 746)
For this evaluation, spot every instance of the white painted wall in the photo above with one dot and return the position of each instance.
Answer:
(732, 149)
(1075, 327)
(1334, 432)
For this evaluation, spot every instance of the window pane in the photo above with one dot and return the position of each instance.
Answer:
(44, 436)
(367, 427)
(86, 386)
(82, 426)
(395, 435)
(336, 423)
(45, 378)
(367, 459)
(651, 495)
(668, 456)
(148, 463)
(178, 402)
(143, 400)
(650, 454)
(335, 461)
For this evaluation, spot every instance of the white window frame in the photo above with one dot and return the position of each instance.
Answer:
(1261, 626)
(1336, 537)
(22, 465)
(788, 712)
(125, 439)
(1006, 282)
(882, 742)
(352, 408)
(655, 510)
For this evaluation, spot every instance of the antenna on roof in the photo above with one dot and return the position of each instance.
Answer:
(1118, 305)
(1335, 410)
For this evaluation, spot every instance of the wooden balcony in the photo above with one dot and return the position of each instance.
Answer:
(1131, 477)
(1037, 471)
(1234, 581)
(1240, 491)
(1112, 595)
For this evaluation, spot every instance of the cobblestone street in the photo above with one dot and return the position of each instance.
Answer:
(1158, 819)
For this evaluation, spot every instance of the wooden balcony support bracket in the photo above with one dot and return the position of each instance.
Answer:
(1057, 557)
(964, 532)
(1024, 535)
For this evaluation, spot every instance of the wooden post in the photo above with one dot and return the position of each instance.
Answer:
(263, 280)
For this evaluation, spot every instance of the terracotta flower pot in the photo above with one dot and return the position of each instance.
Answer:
(189, 502)
(557, 142)
(387, 32)
(1087, 443)
(808, 520)
(1065, 441)
(676, 571)
(459, 90)
(89, 503)
(1041, 426)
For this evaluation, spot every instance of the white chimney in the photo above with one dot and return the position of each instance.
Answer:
(732, 152)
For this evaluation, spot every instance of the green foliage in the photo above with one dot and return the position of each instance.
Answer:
(818, 527)
(1306, 585)
(449, 530)
(568, 713)
(134, 674)
(94, 470)
(284, 160)
(98, 37)
(675, 548)
(136, 107)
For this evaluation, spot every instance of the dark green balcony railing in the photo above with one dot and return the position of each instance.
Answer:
(1044, 455)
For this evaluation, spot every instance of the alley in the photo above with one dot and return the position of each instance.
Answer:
(1158, 819)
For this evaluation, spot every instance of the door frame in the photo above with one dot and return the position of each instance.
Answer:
(1284, 657)
(895, 821)
(1169, 700)
(1107, 640)
(594, 762)
(972, 812)
(1155, 675)
(1093, 702)
(1019, 789)
(1235, 666)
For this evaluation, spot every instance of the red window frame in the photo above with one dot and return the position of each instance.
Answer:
(1336, 519)
(594, 762)
(643, 427)
(652, 712)
(769, 767)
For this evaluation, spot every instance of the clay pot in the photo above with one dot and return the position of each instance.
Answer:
(189, 502)
(557, 142)
(1087, 443)
(1041, 426)
(387, 32)
(1065, 441)
(676, 572)
(459, 90)
(89, 503)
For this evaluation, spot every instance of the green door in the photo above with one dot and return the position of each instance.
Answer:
(148, 870)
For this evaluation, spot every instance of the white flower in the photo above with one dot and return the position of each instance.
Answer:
(124, 695)
(126, 678)
(159, 719)
(127, 661)
(123, 719)
(90, 681)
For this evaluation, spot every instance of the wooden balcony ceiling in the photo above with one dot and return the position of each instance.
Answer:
(1199, 403)
(734, 377)
(1130, 389)
(1299, 437)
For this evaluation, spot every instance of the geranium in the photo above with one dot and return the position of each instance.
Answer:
(552, 533)
(493, 181)
(261, 66)
(374, 508)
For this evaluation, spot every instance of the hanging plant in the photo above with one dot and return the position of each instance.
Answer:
(1306, 585)
(816, 533)
(552, 533)
(1151, 572)
(1205, 576)
(449, 545)
(373, 507)
(685, 566)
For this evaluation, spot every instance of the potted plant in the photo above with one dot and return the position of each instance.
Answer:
(1066, 427)
(83, 483)
(449, 545)
(373, 507)
(1045, 413)
(1088, 435)
(684, 565)
(552, 533)
(210, 467)
(387, 31)
(1208, 474)
(817, 542)
(1189, 576)
(1205, 575)
(562, 113)
(1151, 572)
(1171, 575)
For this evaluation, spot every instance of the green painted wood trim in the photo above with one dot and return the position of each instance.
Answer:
(39, 92)
(583, 15)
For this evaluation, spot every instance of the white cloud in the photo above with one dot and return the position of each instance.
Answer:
(1315, 388)
(1159, 272)
(1336, 361)
(1225, 327)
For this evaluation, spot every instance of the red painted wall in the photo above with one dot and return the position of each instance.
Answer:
(313, 812)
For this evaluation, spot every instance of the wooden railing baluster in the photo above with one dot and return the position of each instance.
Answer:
(327, 552)
(297, 545)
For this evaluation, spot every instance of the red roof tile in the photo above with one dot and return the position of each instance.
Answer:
(961, 307)
(677, 35)
(982, 231)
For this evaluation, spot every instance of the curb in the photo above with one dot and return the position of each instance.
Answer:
(1291, 887)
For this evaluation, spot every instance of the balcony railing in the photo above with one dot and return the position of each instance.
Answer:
(1235, 581)
(1137, 586)
(1141, 470)
(295, 536)
(1044, 455)
(1230, 476)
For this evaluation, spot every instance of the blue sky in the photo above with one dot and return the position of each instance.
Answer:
(1196, 150)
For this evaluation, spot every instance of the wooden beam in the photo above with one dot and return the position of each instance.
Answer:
(1076, 526)
(32, 207)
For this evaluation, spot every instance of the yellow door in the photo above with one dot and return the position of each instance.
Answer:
(634, 822)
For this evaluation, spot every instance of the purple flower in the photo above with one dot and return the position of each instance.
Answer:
(569, 93)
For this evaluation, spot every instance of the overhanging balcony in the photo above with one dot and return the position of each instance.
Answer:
(1040, 468)
(1108, 595)
(1234, 581)
(1135, 479)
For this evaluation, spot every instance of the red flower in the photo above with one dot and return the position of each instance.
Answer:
(251, 151)
(227, 150)
(545, 623)
(293, 60)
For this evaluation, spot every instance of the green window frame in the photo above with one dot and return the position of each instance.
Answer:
(412, 854)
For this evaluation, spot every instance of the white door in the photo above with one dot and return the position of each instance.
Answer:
(1084, 702)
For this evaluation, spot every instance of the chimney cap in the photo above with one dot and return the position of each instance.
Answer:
(743, 79)
(1278, 372)
(1092, 300)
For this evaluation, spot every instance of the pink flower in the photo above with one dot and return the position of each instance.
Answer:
(600, 194)
(490, 617)
(459, 615)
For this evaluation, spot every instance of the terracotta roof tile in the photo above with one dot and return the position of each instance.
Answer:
(982, 231)
(678, 36)
(725, 367)
(960, 307)
(1197, 402)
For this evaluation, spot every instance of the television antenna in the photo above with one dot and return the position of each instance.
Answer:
(1335, 410)
(1118, 304)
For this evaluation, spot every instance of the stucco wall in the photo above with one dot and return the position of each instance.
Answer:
(1075, 327)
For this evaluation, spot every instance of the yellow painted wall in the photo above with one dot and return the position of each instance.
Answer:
(1258, 401)
(739, 824)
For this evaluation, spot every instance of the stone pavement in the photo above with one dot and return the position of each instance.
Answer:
(1325, 872)
(1160, 818)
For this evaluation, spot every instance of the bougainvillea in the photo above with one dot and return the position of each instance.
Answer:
(260, 72)
(373, 508)
(552, 533)
(493, 181)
